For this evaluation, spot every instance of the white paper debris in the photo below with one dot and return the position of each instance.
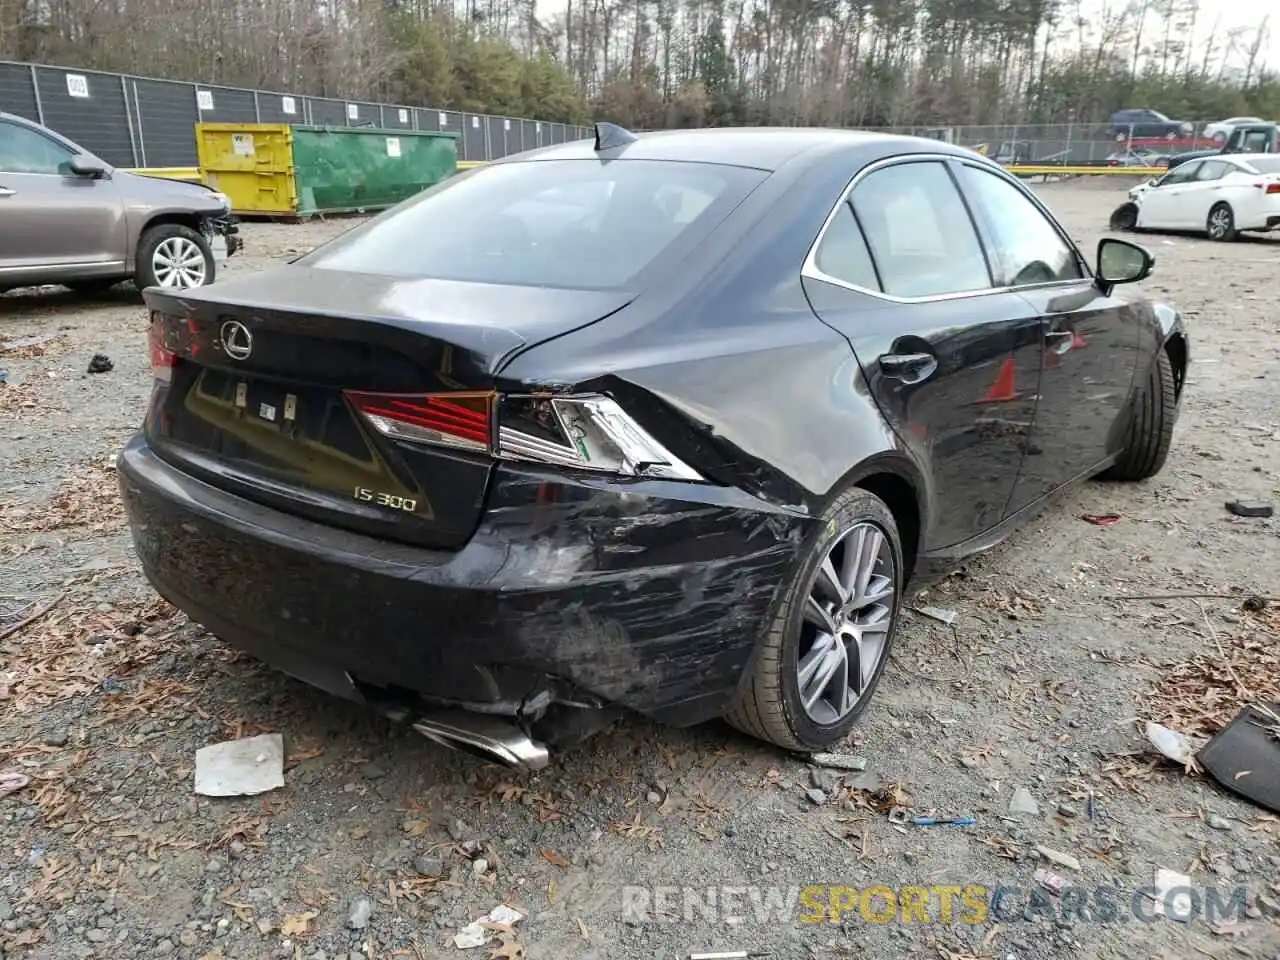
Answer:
(840, 761)
(475, 934)
(241, 768)
(1178, 906)
(1172, 744)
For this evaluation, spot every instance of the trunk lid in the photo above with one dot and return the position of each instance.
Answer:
(256, 402)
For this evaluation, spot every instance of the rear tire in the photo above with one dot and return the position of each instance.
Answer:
(1221, 225)
(1150, 432)
(174, 257)
(769, 705)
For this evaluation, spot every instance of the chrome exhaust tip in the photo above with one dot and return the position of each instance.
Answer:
(487, 737)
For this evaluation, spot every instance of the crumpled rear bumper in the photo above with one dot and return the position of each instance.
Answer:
(633, 594)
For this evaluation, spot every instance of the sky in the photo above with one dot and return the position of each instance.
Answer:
(1232, 14)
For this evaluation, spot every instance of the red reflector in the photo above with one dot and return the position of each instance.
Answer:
(450, 419)
(1273, 188)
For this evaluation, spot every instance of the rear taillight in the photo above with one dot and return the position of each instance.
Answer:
(1271, 187)
(578, 432)
(163, 360)
(460, 420)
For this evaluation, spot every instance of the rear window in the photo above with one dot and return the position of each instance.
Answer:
(558, 223)
(1265, 164)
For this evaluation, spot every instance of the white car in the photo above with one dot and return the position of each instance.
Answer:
(1220, 195)
(1222, 129)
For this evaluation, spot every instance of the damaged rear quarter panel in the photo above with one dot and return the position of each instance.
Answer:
(649, 594)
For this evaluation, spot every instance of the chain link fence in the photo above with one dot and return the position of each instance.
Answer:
(1078, 144)
(141, 122)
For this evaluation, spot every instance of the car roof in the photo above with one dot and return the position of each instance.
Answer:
(764, 148)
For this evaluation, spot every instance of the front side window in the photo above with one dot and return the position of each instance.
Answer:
(921, 237)
(1027, 245)
(560, 223)
(25, 151)
(1183, 173)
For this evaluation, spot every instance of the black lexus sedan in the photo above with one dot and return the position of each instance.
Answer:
(658, 423)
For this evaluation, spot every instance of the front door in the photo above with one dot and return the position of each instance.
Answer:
(49, 217)
(1090, 339)
(1159, 208)
(952, 362)
(1204, 190)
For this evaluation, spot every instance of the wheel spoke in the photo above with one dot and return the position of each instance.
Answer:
(864, 563)
(878, 590)
(825, 659)
(818, 615)
(829, 582)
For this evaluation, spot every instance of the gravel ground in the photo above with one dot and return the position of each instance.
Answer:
(383, 845)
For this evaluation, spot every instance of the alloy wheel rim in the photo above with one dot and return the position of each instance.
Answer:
(1218, 223)
(179, 262)
(845, 623)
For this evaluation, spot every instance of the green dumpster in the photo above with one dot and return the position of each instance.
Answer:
(273, 169)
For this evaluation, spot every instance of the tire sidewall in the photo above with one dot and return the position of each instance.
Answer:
(155, 236)
(863, 507)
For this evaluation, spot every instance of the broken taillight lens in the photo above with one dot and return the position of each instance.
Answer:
(163, 360)
(586, 432)
(579, 432)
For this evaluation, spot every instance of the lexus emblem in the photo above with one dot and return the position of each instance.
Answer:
(237, 341)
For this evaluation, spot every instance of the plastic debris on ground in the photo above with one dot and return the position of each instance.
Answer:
(1055, 883)
(1058, 857)
(840, 761)
(1250, 508)
(1101, 519)
(241, 768)
(12, 783)
(937, 613)
(101, 363)
(1175, 746)
(477, 933)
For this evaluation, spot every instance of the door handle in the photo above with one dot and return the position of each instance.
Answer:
(908, 367)
(6, 192)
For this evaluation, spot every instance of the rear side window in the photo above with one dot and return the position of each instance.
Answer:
(843, 253)
(559, 223)
(1265, 164)
(920, 234)
(1213, 170)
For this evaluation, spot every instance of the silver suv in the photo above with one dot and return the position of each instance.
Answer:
(68, 217)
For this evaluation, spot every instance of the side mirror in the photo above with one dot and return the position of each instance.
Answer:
(1120, 261)
(84, 166)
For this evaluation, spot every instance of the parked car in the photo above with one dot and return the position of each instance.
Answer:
(1221, 196)
(1146, 124)
(683, 461)
(1245, 138)
(1222, 129)
(1133, 158)
(68, 217)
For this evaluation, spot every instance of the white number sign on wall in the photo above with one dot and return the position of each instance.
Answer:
(353, 112)
(77, 85)
(475, 123)
(289, 106)
(404, 116)
(204, 99)
(393, 146)
(444, 120)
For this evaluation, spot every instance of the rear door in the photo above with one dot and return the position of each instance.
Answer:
(49, 217)
(952, 362)
(1202, 192)
(1091, 340)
